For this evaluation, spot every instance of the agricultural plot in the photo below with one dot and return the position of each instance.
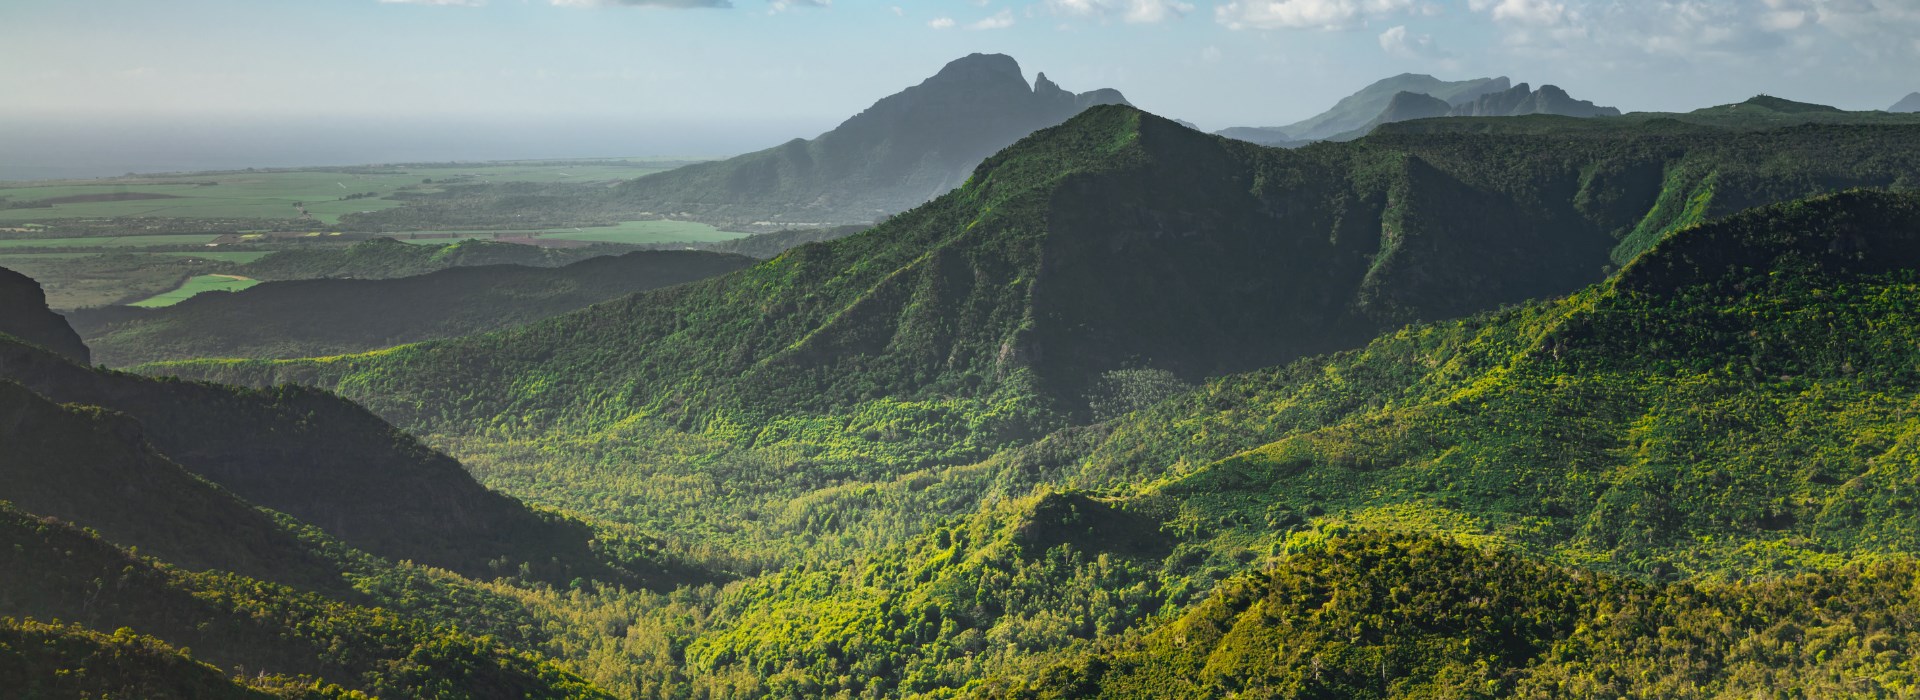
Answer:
(163, 240)
(325, 194)
(196, 285)
(643, 232)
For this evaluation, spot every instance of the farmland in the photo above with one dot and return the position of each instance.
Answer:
(319, 195)
(196, 285)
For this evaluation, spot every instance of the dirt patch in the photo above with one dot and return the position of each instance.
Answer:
(104, 197)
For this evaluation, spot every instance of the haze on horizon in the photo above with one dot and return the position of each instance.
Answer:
(111, 86)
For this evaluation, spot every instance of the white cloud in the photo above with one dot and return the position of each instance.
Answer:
(941, 23)
(1535, 12)
(1131, 11)
(643, 3)
(437, 3)
(1314, 14)
(1000, 20)
(1397, 41)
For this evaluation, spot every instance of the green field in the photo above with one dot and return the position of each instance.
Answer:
(229, 256)
(196, 285)
(662, 231)
(272, 195)
(176, 239)
(628, 232)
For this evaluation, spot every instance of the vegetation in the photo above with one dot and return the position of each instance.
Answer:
(1074, 430)
(386, 258)
(195, 286)
(306, 318)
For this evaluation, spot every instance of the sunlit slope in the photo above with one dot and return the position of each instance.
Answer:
(1118, 240)
(1653, 428)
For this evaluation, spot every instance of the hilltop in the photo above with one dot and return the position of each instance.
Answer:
(1908, 104)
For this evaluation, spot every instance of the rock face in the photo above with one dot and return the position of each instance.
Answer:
(24, 315)
(904, 150)
(1908, 105)
(1521, 101)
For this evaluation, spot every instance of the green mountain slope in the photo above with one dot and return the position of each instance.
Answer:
(307, 318)
(1118, 241)
(329, 463)
(1376, 616)
(1658, 427)
(48, 662)
(54, 571)
(85, 465)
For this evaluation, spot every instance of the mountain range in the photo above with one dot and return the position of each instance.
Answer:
(1356, 110)
(1532, 406)
(903, 150)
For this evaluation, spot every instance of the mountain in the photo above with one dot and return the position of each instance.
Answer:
(1405, 106)
(1522, 100)
(1527, 498)
(86, 465)
(307, 318)
(1377, 616)
(25, 316)
(902, 151)
(269, 634)
(319, 458)
(1119, 241)
(1908, 104)
(1356, 110)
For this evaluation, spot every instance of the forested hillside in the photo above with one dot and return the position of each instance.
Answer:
(1639, 471)
(307, 318)
(1116, 242)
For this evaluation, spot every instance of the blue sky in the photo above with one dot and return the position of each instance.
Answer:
(760, 68)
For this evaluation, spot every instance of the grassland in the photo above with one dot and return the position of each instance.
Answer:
(640, 232)
(155, 241)
(279, 194)
(196, 285)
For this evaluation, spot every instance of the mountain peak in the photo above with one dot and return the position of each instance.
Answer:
(1911, 103)
(980, 67)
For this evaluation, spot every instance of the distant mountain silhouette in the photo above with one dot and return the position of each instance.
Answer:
(1361, 108)
(904, 150)
(1909, 104)
(1521, 101)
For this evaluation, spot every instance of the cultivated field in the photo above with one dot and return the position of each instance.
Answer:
(279, 194)
(195, 285)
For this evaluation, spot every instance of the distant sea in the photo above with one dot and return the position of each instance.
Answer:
(40, 148)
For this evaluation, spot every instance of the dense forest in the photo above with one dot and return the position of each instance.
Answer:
(1545, 409)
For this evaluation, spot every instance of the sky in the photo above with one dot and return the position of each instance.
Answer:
(101, 84)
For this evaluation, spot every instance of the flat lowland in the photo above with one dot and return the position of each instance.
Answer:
(322, 193)
(197, 284)
(158, 240)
